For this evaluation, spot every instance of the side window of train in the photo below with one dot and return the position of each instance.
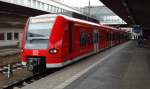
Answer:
(100, 37)
(109, 36)
(120, 36)
(90, 38)
(82, 38)
(96, 37)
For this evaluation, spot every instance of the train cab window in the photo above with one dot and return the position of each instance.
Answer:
(9, 36)
(38, 32)
(90, 39)
(82, 39)
(16, 36)
(2, 36)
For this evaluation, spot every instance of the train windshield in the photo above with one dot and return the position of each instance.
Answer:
(38, 33)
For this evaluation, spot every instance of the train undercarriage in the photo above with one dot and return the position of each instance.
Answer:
(36, 65)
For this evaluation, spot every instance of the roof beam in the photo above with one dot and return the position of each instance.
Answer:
(128, 11)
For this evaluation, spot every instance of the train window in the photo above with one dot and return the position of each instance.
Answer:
(90, 39)
(120, 36)
(38, 33)
(99, 37)
(16, 36)
(2, 36)
(82, 39)
(108, 36)
(111, 36)
(9, 36)
(96, 37)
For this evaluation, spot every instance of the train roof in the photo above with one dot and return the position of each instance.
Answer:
(79, 20)
(66, 17)
(87, 22)
(75, 20)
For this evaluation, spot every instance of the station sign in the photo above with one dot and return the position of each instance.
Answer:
(136, 29)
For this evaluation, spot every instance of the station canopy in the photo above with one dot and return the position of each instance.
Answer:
(134, 12)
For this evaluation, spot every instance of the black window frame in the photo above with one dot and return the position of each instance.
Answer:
(96, 36)
(9, 36)
(90, 38)
(16, 35)
(2, 36)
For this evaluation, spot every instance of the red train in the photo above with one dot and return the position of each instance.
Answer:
(53, 41)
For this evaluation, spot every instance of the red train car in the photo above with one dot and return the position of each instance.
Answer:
(53, 41)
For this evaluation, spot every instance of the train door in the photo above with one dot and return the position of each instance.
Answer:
(96, 40)
(110, 38)
(70, 37)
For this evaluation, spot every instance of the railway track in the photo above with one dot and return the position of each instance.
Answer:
(22, 82)
(18, 84)
(5, 69)
(11, 67)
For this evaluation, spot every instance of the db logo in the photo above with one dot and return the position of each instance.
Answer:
(35, 52)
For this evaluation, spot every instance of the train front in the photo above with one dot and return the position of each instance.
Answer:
(35, 43)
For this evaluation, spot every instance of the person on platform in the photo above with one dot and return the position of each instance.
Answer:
(140, 41)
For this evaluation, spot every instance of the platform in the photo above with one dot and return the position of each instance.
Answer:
(127, 69)
(123, 67)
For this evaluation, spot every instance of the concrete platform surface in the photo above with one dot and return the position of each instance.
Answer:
(128, 68)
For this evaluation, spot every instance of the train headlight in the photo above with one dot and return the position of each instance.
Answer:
(22, 50)
(53, 51)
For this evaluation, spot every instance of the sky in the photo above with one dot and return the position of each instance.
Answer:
(82, 3)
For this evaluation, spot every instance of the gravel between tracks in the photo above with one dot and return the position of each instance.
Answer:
(10, 59)
(17, 76)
